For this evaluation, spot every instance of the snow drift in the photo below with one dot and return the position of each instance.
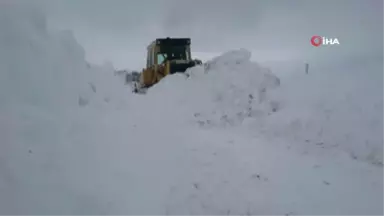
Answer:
(338, 108)
(46, 89)
(222, 92)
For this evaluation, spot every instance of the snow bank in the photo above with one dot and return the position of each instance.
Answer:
(28, 57)
(38, 65)
(333, 108)
(221, 93)
(47, 91)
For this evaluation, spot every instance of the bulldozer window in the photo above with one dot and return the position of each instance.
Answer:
(161, 57)
(175, 52)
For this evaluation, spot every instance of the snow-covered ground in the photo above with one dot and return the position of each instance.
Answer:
(232, 138)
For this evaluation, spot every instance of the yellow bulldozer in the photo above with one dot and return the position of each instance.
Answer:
(165, 56)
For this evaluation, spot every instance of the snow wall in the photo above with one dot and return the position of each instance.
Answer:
(332, 109)
(49, 96)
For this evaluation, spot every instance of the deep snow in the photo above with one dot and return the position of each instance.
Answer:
(231, 138)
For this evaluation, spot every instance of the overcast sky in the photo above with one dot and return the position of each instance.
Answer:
(120, 30)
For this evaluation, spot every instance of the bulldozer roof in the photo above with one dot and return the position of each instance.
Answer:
(171, 42)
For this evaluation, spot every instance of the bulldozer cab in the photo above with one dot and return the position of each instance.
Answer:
(169, 49)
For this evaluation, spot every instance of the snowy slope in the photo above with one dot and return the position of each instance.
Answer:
(229, 139)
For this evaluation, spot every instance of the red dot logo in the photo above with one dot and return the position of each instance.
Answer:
(316, 41)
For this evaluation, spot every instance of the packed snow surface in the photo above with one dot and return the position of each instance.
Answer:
(229, 137)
